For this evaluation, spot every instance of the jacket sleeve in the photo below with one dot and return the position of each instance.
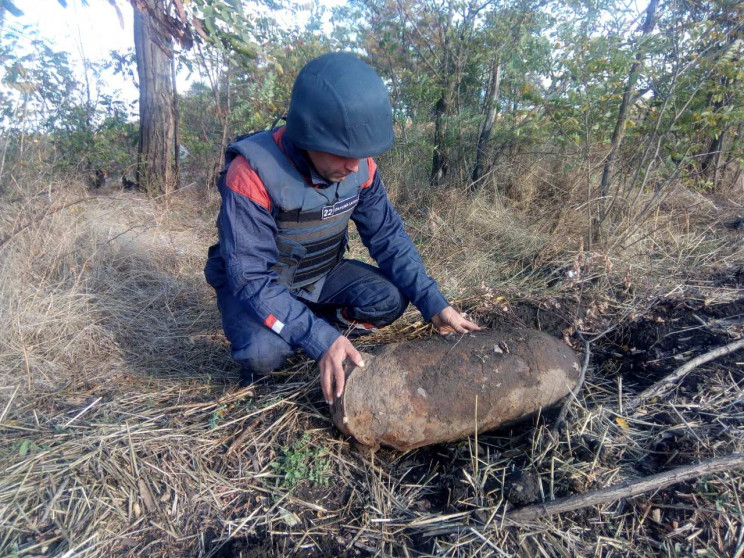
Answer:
(247, 233)
(382, 232)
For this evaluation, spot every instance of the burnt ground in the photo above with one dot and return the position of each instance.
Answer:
(674, 332)
(635, 355)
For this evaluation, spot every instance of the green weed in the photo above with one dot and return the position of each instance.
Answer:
(216, 416)
(302, 461)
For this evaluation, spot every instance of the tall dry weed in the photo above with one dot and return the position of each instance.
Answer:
(103, 284)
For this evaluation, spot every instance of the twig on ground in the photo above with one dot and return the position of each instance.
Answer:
(81, 413)
(39, 219)
(721, 326)
(665, 385)
(53, 501)
(9, 404)
(627, 489)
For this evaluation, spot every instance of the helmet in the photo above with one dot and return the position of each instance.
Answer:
(340, 105)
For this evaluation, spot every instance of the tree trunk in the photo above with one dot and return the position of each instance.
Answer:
(617, 134)
(225, 117)
(730, 158)
(176, 132)
(440, 159)
(157, 164)
(492, 105)
(439, 162)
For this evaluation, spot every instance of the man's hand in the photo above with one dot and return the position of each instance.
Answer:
(450, 321)
(332, 367)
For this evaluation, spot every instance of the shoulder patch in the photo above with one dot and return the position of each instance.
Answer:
(242, 179)
(372, 166)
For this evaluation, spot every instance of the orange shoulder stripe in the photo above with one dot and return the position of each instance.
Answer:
(372, 166)
(241, 178)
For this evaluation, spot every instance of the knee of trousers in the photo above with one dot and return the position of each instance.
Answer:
(389, 307)
(253, 345)
(264, 352)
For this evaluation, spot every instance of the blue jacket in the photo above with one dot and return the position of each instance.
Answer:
(247, 251)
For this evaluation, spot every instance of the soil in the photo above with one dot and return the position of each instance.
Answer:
(672, 334)
(255, 547)
(522, 488)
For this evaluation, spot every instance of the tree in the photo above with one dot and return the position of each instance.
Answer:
(490, 108)
(427, 50)
(159, 25)
(507, 31)
(618, 133)
(157, 161)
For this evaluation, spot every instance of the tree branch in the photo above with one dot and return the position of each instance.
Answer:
(666, 384)
(627, 489)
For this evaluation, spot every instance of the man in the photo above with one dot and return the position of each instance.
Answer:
(287, 197)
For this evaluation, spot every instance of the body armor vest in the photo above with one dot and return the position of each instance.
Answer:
(312, 222)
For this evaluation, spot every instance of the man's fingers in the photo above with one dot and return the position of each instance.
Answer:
(332, 373)
(326, 385)
(463, 326)
(356, 357)
(340, 376)
(340, 373)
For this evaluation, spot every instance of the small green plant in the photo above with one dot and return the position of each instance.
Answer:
(216, 416)
(301, 461)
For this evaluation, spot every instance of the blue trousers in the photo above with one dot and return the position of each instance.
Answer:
(353, 292)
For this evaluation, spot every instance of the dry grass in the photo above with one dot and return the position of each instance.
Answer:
(124, 434)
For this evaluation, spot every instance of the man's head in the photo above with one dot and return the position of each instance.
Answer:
(339, 107)
(332, 167)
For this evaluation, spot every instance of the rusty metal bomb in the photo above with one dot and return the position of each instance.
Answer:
(441, 389)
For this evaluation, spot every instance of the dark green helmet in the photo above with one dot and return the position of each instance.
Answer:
(340, 105)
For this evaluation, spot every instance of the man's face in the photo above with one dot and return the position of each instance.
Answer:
(332, 167)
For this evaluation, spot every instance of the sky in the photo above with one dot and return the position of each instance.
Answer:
(90, 31)
(94, 30)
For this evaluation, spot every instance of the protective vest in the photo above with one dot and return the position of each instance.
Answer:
(312, 222)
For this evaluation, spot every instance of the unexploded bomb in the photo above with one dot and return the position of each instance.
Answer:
(429, 391)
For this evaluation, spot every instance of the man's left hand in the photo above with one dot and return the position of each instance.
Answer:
(450, 320)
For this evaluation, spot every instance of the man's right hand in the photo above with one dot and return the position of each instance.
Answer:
(332, 367)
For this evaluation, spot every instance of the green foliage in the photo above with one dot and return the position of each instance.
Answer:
(256, 91)
(564, 68)
(24, 447)
(224, 24)
(216, 416)
(78, 126)
(302, 461)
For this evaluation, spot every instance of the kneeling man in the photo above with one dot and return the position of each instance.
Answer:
(278, 269)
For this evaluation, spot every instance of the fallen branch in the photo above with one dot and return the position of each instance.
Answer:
(39, 219)
(49, 212)
(666, 384)
(627, 489)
